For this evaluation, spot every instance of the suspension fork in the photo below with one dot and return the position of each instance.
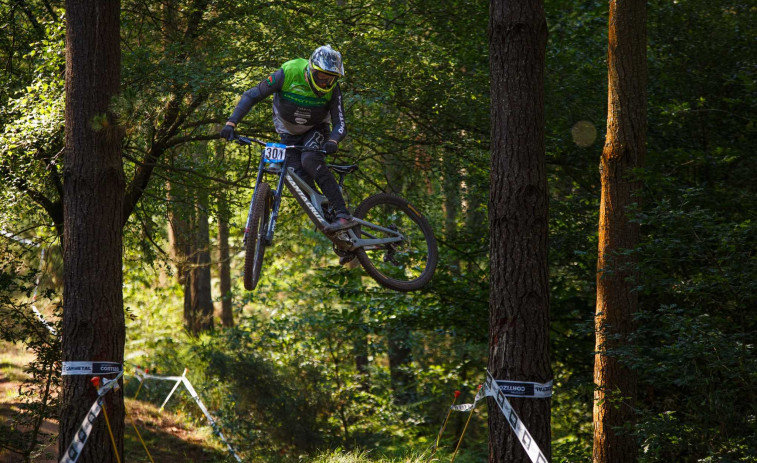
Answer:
(276, 204)
(261, 167)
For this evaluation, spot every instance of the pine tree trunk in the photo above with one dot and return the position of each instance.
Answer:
(179, 216)
(93, 317)
(360, 354)
(224, 258)
(400, 358)
(617, 301)
(224, 262)
(518, 209)
(201, 299)
(451, 207)
(198, 308)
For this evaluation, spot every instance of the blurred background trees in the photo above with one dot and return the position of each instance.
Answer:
(319, 357)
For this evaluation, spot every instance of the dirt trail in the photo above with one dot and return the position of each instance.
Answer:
(13, 358)
(169, 437)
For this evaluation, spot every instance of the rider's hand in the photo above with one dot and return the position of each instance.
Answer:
(227, 132)
(330, 147)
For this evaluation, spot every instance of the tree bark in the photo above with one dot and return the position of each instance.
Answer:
(360, 354)
(224, 258)
(201, 300)
(518, 210)
(198, 308)
(178, 229)
(224, 262)
(93, 317)
(617, 301)
(451, 186)
(400, 359)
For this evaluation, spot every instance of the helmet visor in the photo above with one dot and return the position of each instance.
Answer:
(324, 79)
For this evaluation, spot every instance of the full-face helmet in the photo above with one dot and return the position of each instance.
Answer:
(324, 69)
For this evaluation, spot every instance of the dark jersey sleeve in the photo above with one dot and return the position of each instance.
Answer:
(251, 97)
(336, 109)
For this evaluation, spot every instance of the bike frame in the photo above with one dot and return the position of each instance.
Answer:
(313, 203)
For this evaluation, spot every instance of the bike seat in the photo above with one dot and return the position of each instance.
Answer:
(343, 169)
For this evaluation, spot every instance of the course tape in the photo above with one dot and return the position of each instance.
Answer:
(212, 422)
(480, 395)
(80, 438)
(17, 238)
(524, 437)
(494, 388)
(525, 389)
(36, 311)
(142, 375)
(91, 368)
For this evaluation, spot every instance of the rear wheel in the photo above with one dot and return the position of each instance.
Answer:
(406, 265)
(255, 243)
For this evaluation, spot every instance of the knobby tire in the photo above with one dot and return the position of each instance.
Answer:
(412, 263)
(256, 243)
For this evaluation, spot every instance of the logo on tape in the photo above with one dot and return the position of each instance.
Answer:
(68, 368)
(106, 368)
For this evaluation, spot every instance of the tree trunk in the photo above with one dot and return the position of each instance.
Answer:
(93, 317)
(201, 300)
(518, 210)
(179, 215)
(616, 275)
(224, 262)
(400, 358)
(224, 258)
(198, 309)
(360, 353)
(452, 207)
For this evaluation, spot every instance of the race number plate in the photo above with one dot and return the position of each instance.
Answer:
(274, 152)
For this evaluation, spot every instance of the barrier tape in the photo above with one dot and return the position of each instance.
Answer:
(36, 311)
(17, 238)
(142, 375)
(500, 390)
(80, 438)
(525, 389)
(179, 380)
(522, 389)
(212, 422)
(524, 437)
(480, 395)
(92, 368)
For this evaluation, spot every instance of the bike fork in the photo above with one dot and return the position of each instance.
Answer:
(276, 205)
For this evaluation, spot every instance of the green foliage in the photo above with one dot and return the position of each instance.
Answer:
(307, 370)
(694, 343)
(31, 139)
(38, 391)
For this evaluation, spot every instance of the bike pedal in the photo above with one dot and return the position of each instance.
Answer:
(348, 261)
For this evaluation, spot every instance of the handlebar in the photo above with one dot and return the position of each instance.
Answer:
(249, 141)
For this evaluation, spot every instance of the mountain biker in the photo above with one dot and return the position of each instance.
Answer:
(306, 95)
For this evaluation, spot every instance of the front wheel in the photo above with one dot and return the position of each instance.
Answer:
(256, 235)
(405, 265)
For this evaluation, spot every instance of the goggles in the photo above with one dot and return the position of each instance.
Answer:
(324, 79)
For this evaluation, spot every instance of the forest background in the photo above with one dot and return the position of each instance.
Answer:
(318, 358)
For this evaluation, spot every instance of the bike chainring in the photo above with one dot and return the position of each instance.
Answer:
(340, 252)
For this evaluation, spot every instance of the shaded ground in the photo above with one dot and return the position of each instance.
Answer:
(168, 437)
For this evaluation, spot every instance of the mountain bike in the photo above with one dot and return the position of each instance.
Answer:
(391, 239)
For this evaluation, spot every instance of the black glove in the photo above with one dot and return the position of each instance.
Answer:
(227, 132)
(330, 147)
